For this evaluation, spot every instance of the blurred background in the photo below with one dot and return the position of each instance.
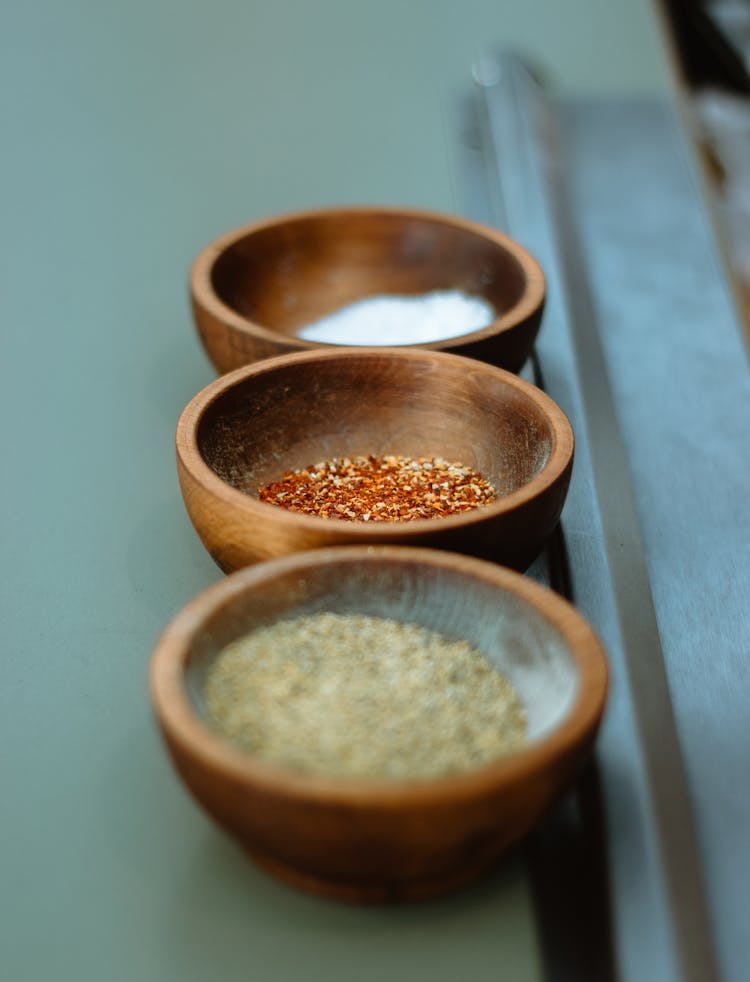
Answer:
(216, 114)
(206, 117)
(711, 46)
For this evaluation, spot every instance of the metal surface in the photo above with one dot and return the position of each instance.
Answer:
(661, 922)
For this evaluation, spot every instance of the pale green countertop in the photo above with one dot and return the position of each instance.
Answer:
(132, 134)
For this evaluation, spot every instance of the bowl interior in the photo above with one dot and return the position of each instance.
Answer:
(295, 415)
(286, 274)
(525, 644)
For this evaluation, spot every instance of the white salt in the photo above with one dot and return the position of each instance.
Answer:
(390, 319)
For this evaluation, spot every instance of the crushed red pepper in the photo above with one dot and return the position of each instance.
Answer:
(380, 489)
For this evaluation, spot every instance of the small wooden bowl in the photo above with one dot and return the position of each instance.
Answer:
(254, 288)
(248, 427)
(386, 840)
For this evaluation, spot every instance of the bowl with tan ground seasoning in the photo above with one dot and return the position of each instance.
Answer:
(378, 723)
(373, 446)
(366, 276)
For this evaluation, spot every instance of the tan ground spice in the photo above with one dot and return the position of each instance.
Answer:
(354, 696)
(391, 488)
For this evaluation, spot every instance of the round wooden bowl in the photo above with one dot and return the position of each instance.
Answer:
(254, 288)
(386, 840)
(247, 428)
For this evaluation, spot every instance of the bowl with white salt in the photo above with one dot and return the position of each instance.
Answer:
(382, 723)
(381, 276)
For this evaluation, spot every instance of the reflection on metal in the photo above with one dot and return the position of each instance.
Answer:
(660, 921)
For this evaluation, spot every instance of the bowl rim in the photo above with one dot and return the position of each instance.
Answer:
(204, 294)
(190, 457)
(181, 722)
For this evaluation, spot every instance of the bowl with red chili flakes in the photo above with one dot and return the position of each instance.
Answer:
(373, 446)
(264, 289)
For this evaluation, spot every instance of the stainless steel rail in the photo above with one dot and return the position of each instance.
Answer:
(655, 923)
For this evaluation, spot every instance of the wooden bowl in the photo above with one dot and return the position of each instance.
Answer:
(247, 428)
(386, 840)
(254, 288)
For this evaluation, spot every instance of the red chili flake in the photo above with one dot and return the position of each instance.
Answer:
(380, 489)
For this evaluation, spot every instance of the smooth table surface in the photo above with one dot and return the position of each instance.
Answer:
(130, 139)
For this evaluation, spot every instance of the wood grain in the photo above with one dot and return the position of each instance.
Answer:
(253, 288)
(247, 428)
(377, 840)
